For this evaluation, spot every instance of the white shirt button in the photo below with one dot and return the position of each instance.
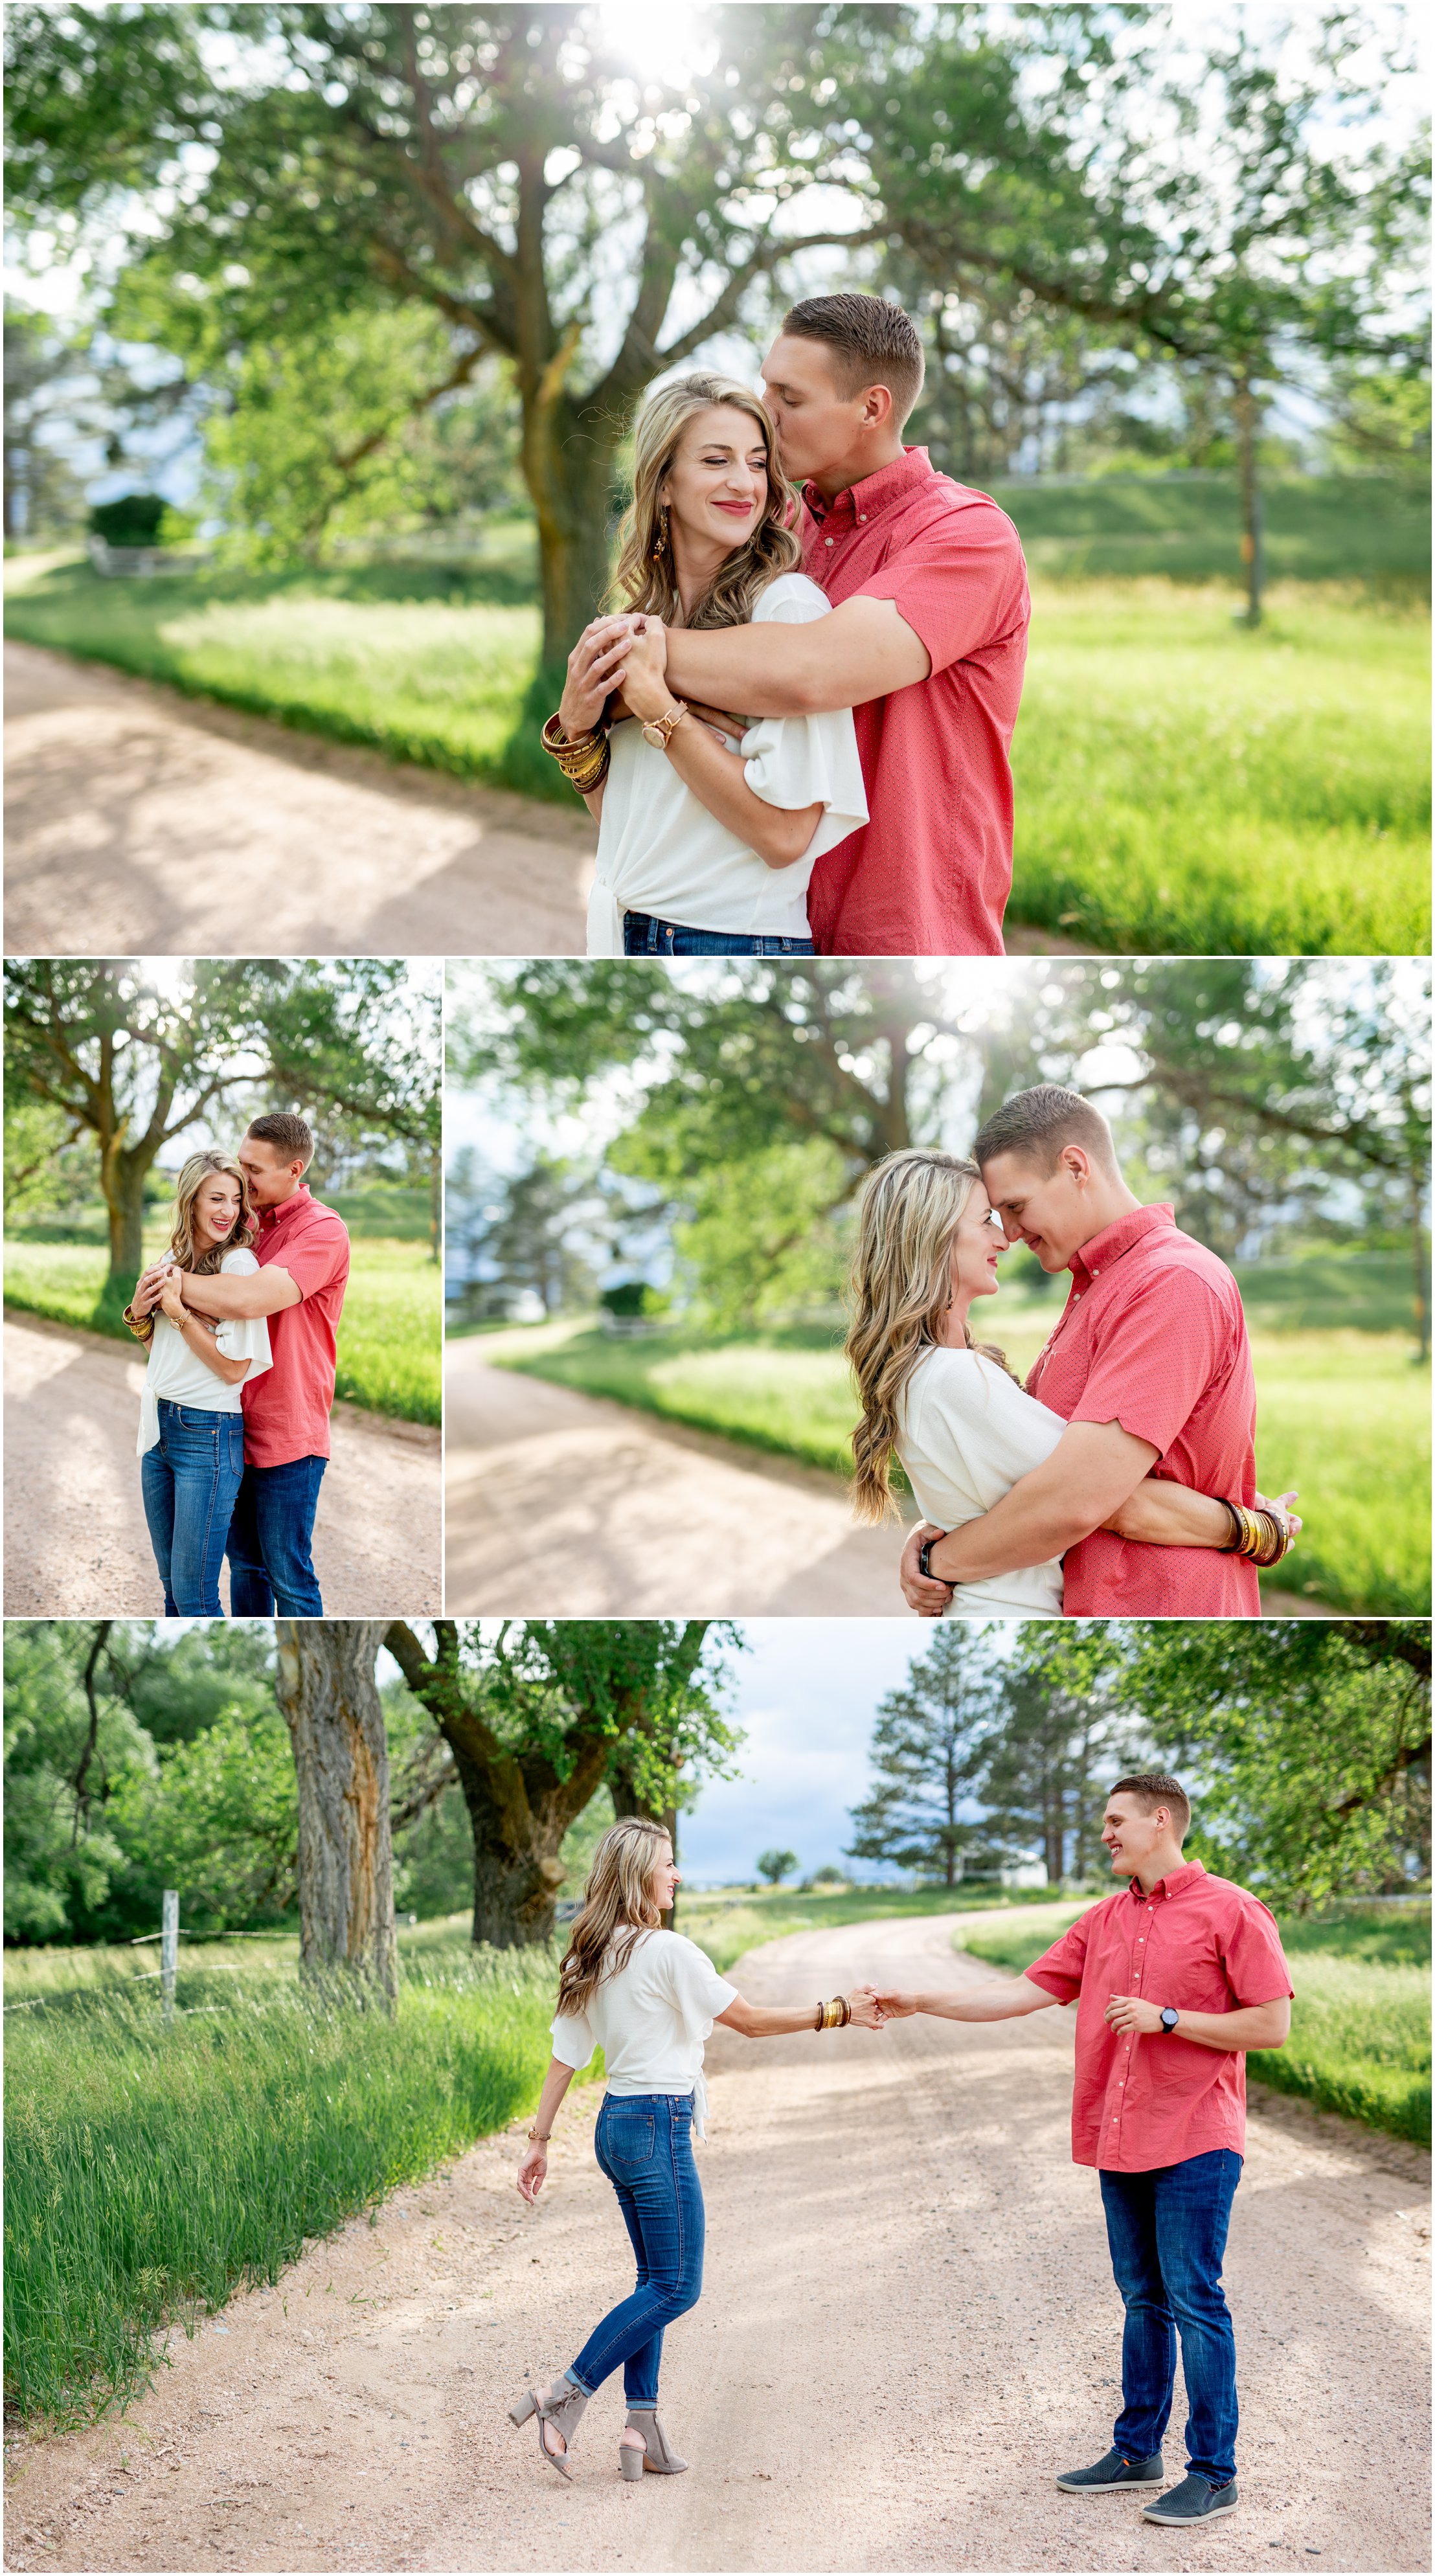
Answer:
(827, 541)
(862, 515)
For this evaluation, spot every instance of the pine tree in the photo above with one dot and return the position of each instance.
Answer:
(928, 1752)
(1058, 1741)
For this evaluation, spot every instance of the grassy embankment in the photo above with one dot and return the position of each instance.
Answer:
(1343, 1414)
(1183, 784)
(151, 2172)
(1360, 2024)
(390, 1331)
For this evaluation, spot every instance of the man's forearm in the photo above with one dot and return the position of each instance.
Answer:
(1253, 2026)
(1017, 1531)
(756, 670)
(261, 1292)
(1002, 2002)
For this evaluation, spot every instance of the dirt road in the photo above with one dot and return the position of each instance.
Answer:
(564, 1505)
(75, 1538)
(143, 822)
(908, 2326)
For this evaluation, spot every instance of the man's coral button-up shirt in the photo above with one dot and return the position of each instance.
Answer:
(1153, 1336)
(929, 875)
(286, 1412)
(1199, 1943)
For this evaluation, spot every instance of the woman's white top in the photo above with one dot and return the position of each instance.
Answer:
(650, 2021)
(966, 1434)
(659, 849)
(179, 1374)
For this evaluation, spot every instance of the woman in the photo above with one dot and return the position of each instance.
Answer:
(965, 1431)
(708, 834)
(647, 1998)
(191, 1436)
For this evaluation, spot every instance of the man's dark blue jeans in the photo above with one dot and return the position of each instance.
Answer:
(644, 2144)
(645, 936)
(270, 1537)
(1167, 2233)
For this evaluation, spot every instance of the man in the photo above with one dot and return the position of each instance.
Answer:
(927, 642)
(303, 1255)
(1149, 1365)
(1173, 1980)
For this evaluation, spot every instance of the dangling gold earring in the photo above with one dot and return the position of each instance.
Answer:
(660, 547)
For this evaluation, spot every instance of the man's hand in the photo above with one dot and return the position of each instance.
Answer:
(896, 2007)
(922, 1592)
(864, 2008)
(1128, 2012)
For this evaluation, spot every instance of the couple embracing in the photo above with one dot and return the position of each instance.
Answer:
(1174, 1978)
(866, 616)
(1120, 1481)
(240, 1317)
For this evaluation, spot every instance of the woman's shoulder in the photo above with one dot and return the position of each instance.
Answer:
(792, 600)
(240, 1258)
(959, 1375)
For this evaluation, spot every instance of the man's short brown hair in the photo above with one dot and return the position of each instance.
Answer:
(1037, 1123)
(1153, 1789)
(872, 343)
(291, 1137)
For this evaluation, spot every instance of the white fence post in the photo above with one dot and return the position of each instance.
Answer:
(169, 1952)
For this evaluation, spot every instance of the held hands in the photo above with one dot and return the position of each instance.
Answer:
(1128, 2012)
(595, 670)
(897, 2007)
(865, 2006)
(171, 1302)
(1280, 1511)
(922, 1593)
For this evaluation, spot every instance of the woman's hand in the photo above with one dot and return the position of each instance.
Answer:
(865, 2009)
(533, 2173)
(1280, 1511)
(922, 1592)
(595, 669)
(171, 1302)
(645, 683)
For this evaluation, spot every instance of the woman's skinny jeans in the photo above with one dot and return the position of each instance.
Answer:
(644, 2144)
(188, 1482)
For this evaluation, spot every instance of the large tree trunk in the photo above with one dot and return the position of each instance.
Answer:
(123, 1173)
(1248, 424)
(514, 1893)
(568, 456)
(326, 1688)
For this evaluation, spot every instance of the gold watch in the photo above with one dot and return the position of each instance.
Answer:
(659, 730)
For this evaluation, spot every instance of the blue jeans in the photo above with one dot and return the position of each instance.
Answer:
(643, 936)
(270, 1567)
(644, 2145)
(1167, 2233)
(188, 1482)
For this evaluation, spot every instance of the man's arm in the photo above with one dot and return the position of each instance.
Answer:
(1249, 2026)
(1094, 1468)
(253, 1292)
(865, 649)
(996, 2002)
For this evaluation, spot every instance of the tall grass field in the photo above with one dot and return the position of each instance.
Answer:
(1342, 1413)
(149, 2172)
(1184, 784)
(390, 1331)
(1360, 2024)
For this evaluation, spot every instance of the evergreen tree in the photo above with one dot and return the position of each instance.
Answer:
(928, 1752)
(1060, 1737)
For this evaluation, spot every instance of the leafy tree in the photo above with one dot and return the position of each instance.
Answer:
(1309, 1739)
(928, 1754)
(539, 1716)
(528, 1234)
(1058, 1738)
(44, 368)
(216, 1816)
(358, 1037)
(775, 1866)
(68, 1739)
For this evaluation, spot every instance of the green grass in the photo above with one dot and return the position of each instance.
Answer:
(150, 2172)
(727, 1922)
(1183, 784)
(1360, 2024)
(389, 1334)
(1343, 1414)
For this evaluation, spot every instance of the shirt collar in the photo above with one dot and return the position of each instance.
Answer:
(1175, 1882)
(875, 492)
(1113, 1240)
(272, 1217)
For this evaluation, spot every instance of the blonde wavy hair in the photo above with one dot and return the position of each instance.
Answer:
(617, 1909)
(644, 577)
(195, 1172)
(898, 1293)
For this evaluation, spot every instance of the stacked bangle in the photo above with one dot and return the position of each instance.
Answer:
(1258, 1535)
(583, 758)
(833, 2016)
(142, 1326)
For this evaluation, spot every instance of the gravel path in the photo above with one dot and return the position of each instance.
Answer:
(566, 1505)
(908, 2326)
(76, 1544)
(143, 822)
